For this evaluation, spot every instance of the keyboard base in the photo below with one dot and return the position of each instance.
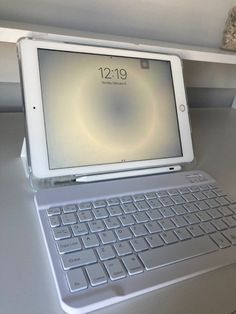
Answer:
(120, 290)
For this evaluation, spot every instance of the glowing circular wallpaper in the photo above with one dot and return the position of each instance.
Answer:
(100, 109)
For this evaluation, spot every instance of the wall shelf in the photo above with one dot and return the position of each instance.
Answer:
(193, 53)
(186, 52)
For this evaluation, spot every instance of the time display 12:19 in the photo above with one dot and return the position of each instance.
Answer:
(109, 74)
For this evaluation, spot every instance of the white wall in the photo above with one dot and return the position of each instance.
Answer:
(209, 75)
(8, 63)
(183, 21)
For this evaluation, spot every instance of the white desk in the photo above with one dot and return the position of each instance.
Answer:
(26, 283)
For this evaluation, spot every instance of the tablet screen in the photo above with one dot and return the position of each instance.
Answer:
(102, 109)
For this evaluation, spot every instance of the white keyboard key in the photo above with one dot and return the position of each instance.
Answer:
(90, 240)
(123, 233)
(154, 214)
(138, 197)
(77, 259)
(139, 244)
(183, 234)
(99, 203)
(76, 280)
(54, 211)
(68, 219)
(207, 227)
(138, 230)
(173, 192)
(183, 190)
(154, 203)
(112, 223)
(79, 229)
(129, 208)
(169, 237)
(85, 205)
(115, 210)
(127, 220)
(162, 194)
(179, 209)
(100, 213)
(105, 252)
(178, 199)
(230, 235)
(166, 212)
(140, 217)
(219, 192)
(220, 240)
(189, 197)
(126, 199)
(199, 196)
(153, 227)
(61, 233)
(191, 219)
(132, 264)
(179, 221)
(214, 213)
(113, 201)
(96, 225)
(231, 199)
(142, 205)
(84, 215)
(96, 274)
(202, 205)
(203, 216)
(107, 237)
(209, 194)
(212, 203)
(166, 201)
(123, 248)
(154, 240)
(219, 224)
(195, 230)
(191, 208)
(115, 269)
(150, 195)
(194, 188)
(68, 245)
(70, 208)
(167, 255)
(166, 224)
(225, 211)
(54, 221)
(230, 221)
(204, 187)
(222, 201)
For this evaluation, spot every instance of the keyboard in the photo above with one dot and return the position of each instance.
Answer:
(114, 239)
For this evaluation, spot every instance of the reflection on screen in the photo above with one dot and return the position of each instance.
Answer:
(107, 109)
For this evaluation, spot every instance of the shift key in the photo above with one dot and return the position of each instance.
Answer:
(77, 259)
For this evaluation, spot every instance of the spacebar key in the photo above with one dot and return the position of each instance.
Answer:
(166, 255)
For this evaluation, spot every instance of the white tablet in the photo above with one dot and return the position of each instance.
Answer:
(92, 110)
